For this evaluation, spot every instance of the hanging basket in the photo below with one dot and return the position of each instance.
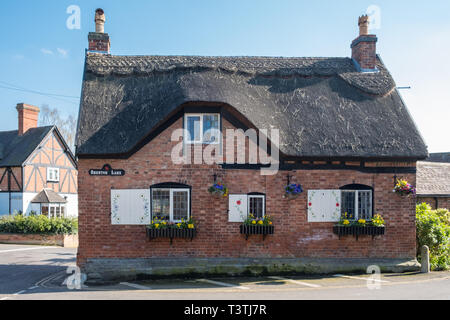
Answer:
(293, 191)
(218, 190)
(291, 196)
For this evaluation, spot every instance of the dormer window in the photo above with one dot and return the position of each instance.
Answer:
(202, 128)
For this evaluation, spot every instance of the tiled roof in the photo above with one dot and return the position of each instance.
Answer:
(15, 149)
(433, 178)
(48, 196)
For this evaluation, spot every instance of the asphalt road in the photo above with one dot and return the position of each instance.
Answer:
(38, 273)
(22, 267)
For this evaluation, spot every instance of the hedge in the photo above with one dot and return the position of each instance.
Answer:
(38, 225)
(433, 230)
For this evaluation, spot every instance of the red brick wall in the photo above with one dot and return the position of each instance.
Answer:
(365, 53)
(294, 236)
(442, 203)
(28, 117)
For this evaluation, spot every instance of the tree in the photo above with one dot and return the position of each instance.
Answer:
(66, 126)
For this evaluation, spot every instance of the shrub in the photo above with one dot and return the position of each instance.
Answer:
(433, 230)
(38, 225)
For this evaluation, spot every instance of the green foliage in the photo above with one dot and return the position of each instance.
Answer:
(38, 225)
(433, 230)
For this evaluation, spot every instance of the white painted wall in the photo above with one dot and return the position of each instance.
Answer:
(28, 206)
(71, 206)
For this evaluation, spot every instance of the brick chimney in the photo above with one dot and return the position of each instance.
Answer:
(364, 48)
(99, 40)
(28, 117)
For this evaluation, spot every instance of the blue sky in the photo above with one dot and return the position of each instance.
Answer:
(38, 52)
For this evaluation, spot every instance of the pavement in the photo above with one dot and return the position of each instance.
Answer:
(47, 273)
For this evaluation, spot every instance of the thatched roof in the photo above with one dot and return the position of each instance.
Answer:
(323, 107)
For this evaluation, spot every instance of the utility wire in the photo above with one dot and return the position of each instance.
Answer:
(50, 95)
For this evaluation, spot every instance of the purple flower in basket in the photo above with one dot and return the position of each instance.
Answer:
(294, 189)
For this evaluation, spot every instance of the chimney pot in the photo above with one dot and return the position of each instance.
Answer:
(28, 117)
(100, 21)
(363, 23)
(99, 42)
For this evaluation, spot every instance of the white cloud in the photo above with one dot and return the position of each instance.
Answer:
(63, 52)
(46, 51)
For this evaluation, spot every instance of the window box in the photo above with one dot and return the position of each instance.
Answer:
(357, 231)
(257, 230)
(171, 233)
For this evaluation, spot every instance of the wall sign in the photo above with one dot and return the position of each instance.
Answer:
(107, 170)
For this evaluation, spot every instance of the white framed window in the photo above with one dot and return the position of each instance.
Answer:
(53, 174)
(172, 205)
(357, 204)
(242, 205)
(202, 128)
(53, 210)
(257, 205)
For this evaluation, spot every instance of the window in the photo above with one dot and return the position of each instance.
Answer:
(171, 204)
(53, 210)
(53, 174)
(202, 128)
(357, 203)
(256, 205)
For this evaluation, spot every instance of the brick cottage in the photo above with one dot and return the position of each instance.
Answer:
(336, 126)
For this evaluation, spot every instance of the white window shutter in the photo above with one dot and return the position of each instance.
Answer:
(130, 207)
(324, 205)
(237, 208)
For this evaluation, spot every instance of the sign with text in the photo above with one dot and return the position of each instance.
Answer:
(107, 170)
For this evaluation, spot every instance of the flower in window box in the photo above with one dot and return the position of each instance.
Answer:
(264, 221)
(218, 190)
(293, 190)
(362, 222)
(378, 221)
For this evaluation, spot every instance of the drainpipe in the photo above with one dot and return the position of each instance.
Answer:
(9, 189)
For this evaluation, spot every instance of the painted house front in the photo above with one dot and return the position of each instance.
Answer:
(156, 132)
(38, 173)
